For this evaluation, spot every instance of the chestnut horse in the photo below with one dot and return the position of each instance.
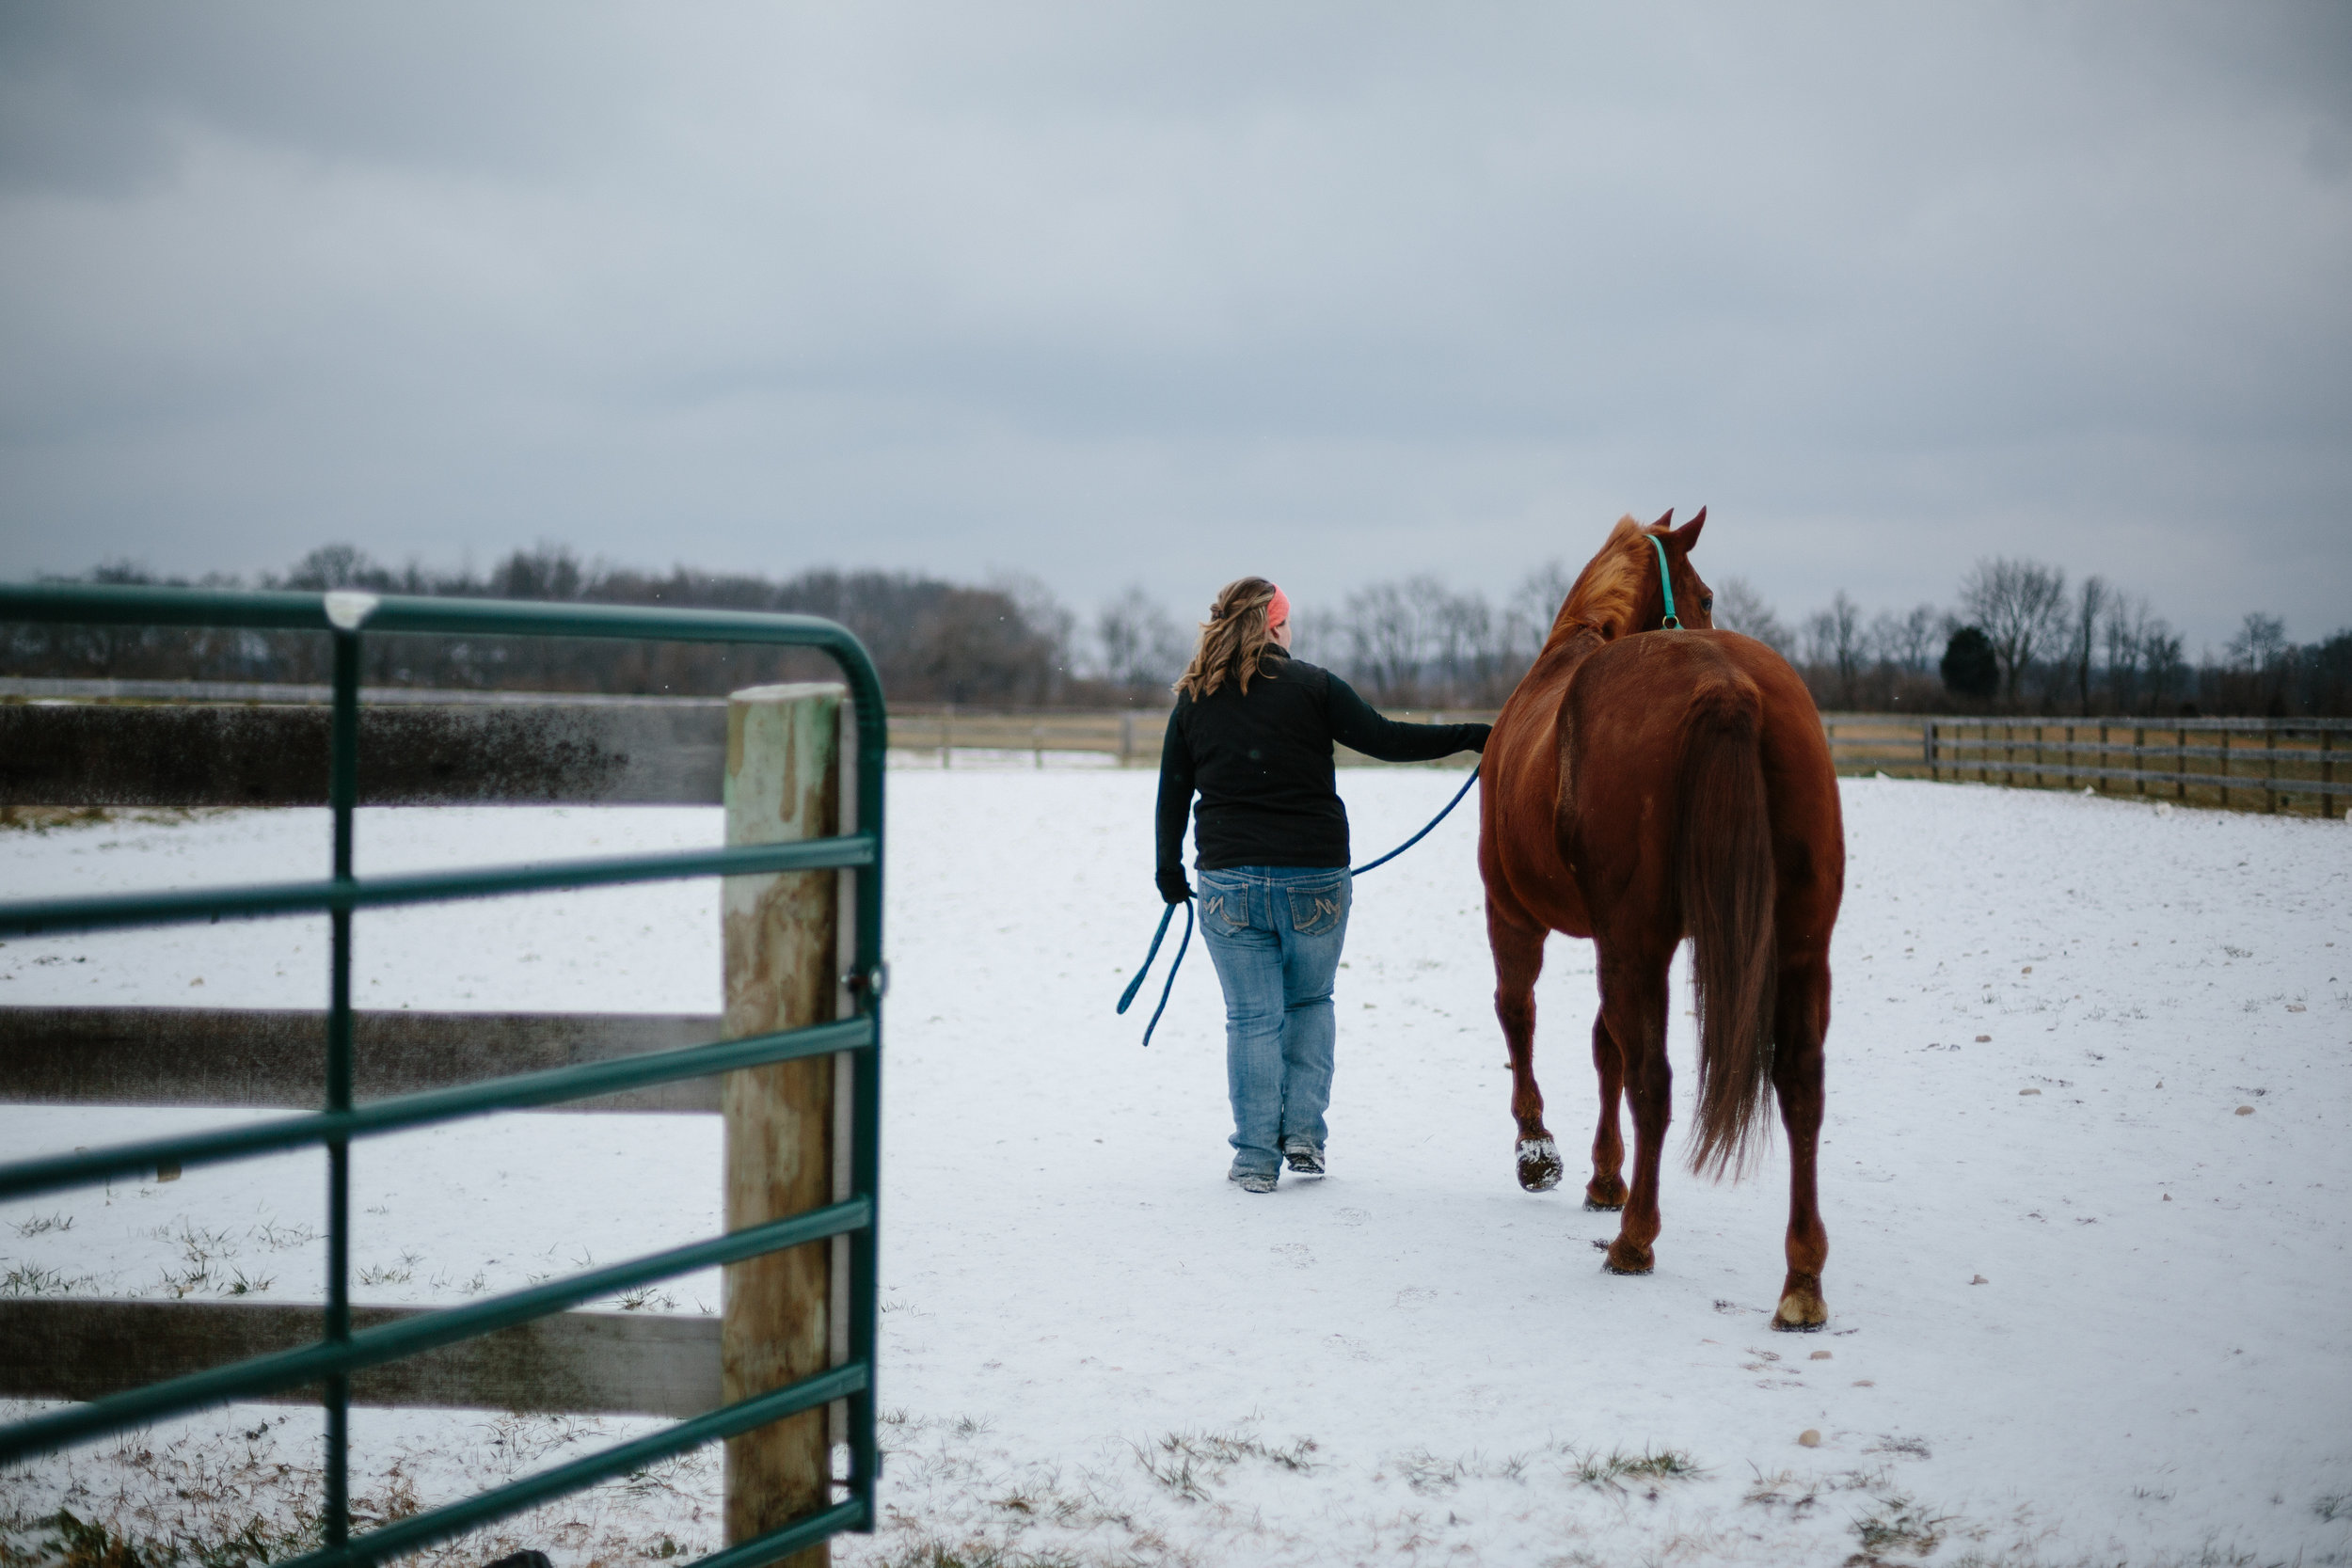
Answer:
(1646, 783)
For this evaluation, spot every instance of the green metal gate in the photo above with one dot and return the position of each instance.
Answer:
(347, 617)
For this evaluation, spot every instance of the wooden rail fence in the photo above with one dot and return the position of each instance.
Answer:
(2277, 764)
(131, 744)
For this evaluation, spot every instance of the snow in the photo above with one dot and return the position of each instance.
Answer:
(1093, 1344)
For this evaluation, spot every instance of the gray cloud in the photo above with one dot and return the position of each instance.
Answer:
(1167, 294)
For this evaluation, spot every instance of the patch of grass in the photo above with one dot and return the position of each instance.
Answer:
(277, 1235)
(40, 1225)
(32, 1279)
(1905, 1448)
(1187, 1463)
(1617, 1471)
(393, 1274)
(47, 819)
(648, 1299)
(1900, 1527)
(2335, 1506)
(933, 1552)
(1424, 1472)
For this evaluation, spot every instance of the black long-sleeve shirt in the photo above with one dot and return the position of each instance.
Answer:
(1262, 763)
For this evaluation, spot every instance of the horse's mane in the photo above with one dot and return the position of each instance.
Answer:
(1609, 591)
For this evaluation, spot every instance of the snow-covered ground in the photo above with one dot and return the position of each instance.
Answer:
(2085, 1307)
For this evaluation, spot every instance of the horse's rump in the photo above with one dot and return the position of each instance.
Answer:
(1677, 721)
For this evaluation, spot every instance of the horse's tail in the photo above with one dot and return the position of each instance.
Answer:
(1724, 866)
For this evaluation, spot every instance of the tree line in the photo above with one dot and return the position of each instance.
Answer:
(930, 640)
(2018, 636)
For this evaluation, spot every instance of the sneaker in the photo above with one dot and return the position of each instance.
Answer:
(1304, 1154)
(1255, 1181)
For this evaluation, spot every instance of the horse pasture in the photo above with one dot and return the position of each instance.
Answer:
(2086, 1174)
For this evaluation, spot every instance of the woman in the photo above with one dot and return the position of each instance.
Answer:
(1252, 732)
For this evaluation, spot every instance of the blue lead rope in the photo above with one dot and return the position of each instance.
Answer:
(1128, 996)
(1137, 984)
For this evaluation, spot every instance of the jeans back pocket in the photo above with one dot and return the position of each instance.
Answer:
(1315, 910)
(1227, 905)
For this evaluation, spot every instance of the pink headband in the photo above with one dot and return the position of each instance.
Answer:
(1278, 611)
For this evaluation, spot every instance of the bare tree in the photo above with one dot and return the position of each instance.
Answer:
(2260, 644)
(2168, 671)
(1049, 621)
(1739, 607)
(1388, 634)
(1834, 641)
(1462, 630)
(2090, 604)
(1533, 606)
(1909, 642)
(2123, 635)
(2261, 650)
(2022, 607)
(1138, 642)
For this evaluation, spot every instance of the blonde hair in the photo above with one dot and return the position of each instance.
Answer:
(1233, 640)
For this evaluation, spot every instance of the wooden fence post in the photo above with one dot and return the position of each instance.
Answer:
(2270, 767)
(947, 734)
(1927, 744)
(1127, 740)
(2326, 772)
(783, 783)
(2139, 760)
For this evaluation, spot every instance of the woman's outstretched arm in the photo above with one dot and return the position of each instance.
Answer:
(1175, 809)
(1356, 724)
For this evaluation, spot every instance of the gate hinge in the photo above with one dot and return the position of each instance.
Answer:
(874, 982)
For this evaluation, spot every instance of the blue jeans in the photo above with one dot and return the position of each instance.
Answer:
(1275, 934)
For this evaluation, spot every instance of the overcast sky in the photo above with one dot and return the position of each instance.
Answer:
(1165, 293)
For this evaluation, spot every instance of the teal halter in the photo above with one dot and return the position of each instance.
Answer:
(1665, 581)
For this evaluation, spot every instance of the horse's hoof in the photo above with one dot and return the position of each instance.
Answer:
(1605, 1195)
(1627, 1258)
(1800, 1314)
(1594, 1207)
(1540, 1165)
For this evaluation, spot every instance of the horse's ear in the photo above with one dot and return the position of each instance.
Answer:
(1687, 534)
(1666, 521)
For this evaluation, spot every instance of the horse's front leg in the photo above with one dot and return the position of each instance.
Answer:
(1800, 1021)
(1606, 1190)
(1634, 1005)
(1519, 955)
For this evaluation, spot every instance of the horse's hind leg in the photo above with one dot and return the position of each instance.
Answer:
(1633, 1005)
(1606, 1190)
(1519, 955)
(1800, 1022)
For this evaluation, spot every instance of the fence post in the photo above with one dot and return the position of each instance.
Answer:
(1037, 745)
(2326, 772)
(946, 733)
(2225, 767)
(2270, 767)
(1127, 739)
(2070, 756)
(1927, 745)
(2139, 761)
(783, 783)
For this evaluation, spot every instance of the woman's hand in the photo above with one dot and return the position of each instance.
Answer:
(1174, 887)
